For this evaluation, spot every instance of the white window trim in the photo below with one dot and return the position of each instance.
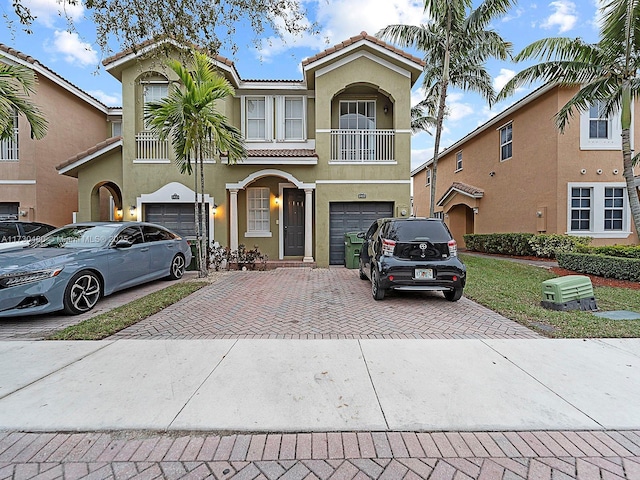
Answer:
(258, 233)
(597, 211)
(144, 83)
(268, 113)
(458, 169)
(428, 180)
(614, 142)
(280, 118)
(510, 123)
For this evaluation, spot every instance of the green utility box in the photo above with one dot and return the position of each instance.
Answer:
(352, 246)
(572, 292)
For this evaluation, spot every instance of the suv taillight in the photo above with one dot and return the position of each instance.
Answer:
(388, 246)
(453, 248)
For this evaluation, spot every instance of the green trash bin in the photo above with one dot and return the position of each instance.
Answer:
(352, 246)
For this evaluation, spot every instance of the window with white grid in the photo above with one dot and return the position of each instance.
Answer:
(258, 210)
(293, 118)
(613, 208)
(256, 127)
(9, 146)
(156, 91)
(599, 210)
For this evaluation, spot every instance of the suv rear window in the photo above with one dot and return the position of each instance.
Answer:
(416, 230)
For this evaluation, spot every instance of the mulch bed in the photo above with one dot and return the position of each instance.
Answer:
(599, 281)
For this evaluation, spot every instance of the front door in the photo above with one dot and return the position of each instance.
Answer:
(293, 228)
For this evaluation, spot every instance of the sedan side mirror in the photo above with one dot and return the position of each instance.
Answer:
(122, 243)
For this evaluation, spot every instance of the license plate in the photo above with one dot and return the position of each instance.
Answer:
(424, 274)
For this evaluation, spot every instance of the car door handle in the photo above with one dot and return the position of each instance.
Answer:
(146, 249)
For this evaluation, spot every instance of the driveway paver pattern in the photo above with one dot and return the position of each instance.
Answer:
(545, 455)
(305, 303)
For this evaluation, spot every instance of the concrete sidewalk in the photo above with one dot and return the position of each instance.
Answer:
(320, 385)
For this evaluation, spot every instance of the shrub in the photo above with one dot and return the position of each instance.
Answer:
(547, 246)
(501, 243)
(220, 256)
(601, 265)
(625, 251)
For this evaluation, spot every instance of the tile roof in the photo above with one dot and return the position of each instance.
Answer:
(90, 151)
(152, 41)
(464, 188)
(291, 152)
(363, 36)
(36, 63)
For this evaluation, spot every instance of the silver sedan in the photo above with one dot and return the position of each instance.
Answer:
(72, 267)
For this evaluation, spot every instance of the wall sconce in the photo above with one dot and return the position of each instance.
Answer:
(215, 209)
(492, 174)
(119, 213)
(277, 199)
(385, 109)
(132, 210)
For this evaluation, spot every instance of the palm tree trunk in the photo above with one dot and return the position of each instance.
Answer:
(627, 172)
(204, 267)
(436, 147)
(196, 222)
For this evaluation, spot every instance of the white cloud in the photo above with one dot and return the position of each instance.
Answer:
(48, 11)
(564, 17)
(502, 78)
(517, 13)
(342, 19)
(107, 99)
(75, 51)
(457, 109)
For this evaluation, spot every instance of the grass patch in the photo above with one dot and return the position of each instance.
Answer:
(514, 290)
(108, 323)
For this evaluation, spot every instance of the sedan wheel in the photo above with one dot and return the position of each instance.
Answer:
(82, 293)
(376, 290)
(177, 268)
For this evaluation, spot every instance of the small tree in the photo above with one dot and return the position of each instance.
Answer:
(198, 131)
(16, 84)
(606, 72)
(456, 45)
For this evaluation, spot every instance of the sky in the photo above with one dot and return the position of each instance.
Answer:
(76, 57)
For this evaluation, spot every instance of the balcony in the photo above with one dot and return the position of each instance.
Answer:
(362, 146)
(9, 148)
(149, 148)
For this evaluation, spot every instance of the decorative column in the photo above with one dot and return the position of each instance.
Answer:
(233, 217)
(308, 225)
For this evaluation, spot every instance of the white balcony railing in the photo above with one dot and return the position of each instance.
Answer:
(362, 145)
(9, 148)
(148, 147)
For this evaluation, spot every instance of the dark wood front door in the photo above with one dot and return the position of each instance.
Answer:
(293, 228)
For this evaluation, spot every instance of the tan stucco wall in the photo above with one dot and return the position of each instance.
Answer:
(74, 126)
(108, 169)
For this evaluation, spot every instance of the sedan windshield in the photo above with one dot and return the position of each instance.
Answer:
(78, 236)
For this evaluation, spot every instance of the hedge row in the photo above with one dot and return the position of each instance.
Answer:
(601, 265)
(625, 251)
(524, 244)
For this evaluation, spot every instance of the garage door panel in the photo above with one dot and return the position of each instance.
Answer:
(352, 217)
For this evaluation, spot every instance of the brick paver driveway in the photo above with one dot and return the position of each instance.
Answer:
(318, 303)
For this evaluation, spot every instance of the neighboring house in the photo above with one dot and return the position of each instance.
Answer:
(518, 173)
(327, 154)
(30, 186)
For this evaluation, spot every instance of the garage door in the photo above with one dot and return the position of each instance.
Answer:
(178, 217)
(352, 217)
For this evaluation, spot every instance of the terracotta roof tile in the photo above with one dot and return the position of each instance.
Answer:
(90, 151)
(29, 59)
(357, 38)
(470, 189)
(292, 152)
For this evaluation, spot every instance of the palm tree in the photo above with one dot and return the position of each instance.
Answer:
(16, 84)
(456, 44)
(607, 73)
(198, 131)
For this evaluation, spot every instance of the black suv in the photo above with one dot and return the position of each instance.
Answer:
(15, 234)
(411, 254)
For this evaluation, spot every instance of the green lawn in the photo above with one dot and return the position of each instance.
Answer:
(515, 291)
(108, 323)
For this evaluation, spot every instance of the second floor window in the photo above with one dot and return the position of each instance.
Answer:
(428, 182)
(9, 147)
(293, 118)
(358, 115)
(258, 210)
(506, 142)
(155, 91)
(598, 122)
(256, 119)
(458, 161)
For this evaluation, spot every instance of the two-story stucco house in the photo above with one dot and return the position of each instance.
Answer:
(518, 173)
(327, 154)
(30, 186)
